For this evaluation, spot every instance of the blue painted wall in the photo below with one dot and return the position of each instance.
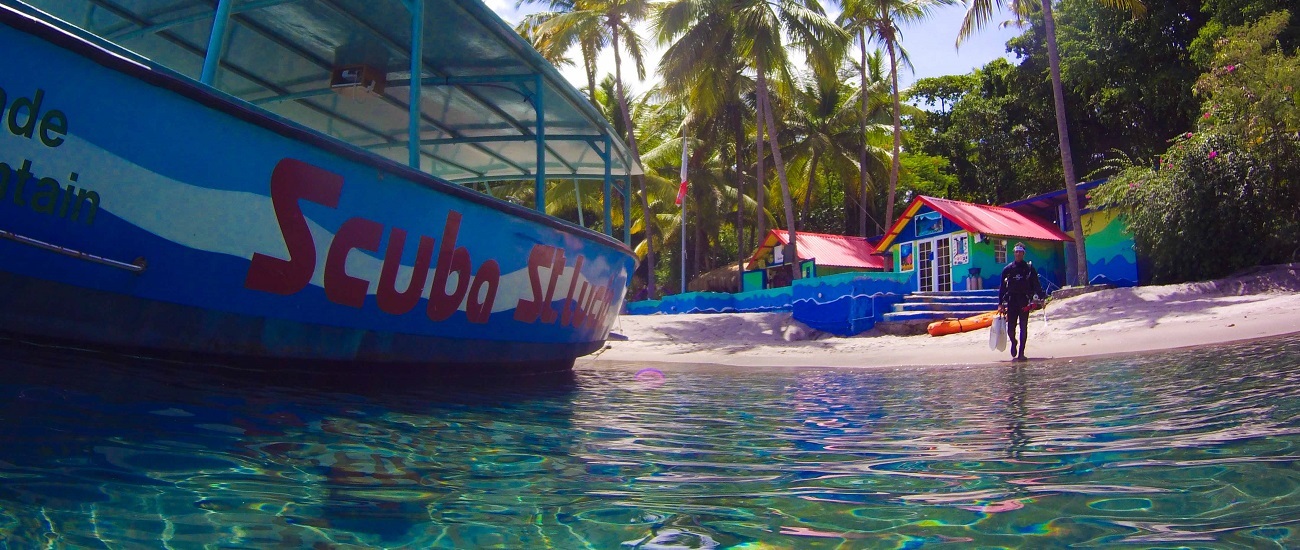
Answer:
(849, 303)
(697, 302)
(644, 307)
(843, 304)
(772, 299)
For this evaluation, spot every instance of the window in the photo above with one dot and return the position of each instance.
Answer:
(1000, 251)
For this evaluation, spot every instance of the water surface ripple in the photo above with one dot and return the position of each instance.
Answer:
(1195, 448)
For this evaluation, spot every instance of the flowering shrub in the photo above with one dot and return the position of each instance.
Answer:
(1202, 213)
(1227, 196)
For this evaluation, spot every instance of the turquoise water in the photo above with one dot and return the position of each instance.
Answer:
(1187, 449)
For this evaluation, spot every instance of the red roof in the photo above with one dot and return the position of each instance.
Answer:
(827, 250)
(997, 221)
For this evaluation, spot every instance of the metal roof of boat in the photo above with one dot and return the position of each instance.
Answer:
(301, 59)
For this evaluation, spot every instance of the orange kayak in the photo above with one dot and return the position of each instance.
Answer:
(952, 326)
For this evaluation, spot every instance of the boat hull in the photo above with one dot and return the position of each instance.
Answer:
(143, 211)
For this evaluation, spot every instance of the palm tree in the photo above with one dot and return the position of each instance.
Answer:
(612, 19)
(879, 20)
(976, 18)
(554, 43)
(827, 139)
(761, 25)
(703, 69)
(874, 161)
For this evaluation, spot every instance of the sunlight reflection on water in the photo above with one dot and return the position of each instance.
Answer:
(1195, 447)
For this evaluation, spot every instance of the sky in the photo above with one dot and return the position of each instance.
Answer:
(929, 43)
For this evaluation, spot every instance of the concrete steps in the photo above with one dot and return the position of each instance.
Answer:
(919, 309)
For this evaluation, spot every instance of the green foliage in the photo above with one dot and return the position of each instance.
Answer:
(1127, 88)
(987, 137)
(926, 175)
(828, 215)
(1128, 79)
(1225, 197)
(1204, 213)
(998, 134)
(1229, 13)
(1253, 89)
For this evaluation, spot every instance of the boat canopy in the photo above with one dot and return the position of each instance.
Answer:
(490, 108)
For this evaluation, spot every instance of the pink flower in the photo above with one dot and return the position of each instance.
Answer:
(1231, 68)
(1213, 154)
(1206, 115)
(1188, 136)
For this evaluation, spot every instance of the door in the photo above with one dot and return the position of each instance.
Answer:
(943, 264)
(925, 266)
(934, 265)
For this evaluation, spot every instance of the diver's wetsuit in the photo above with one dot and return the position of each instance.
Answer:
(1018, 289)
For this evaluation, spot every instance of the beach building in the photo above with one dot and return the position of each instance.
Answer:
(820, 254)
(949, 245)
(1111, 255)
(850, 284)
(952, 245)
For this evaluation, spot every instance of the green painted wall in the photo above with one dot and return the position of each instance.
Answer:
(1047, 256)
(1110, 248)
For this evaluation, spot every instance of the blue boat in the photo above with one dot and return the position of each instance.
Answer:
(301, 182)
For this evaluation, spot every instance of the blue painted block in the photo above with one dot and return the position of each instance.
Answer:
(644, 307)
(697, 302)
(772, 299)
(847, 304)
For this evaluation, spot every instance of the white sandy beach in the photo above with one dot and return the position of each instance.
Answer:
(1251, 305)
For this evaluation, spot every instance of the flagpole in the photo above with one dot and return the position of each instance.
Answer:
(683, 246)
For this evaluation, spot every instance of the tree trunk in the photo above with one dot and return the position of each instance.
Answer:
(647, 217)
(1063, 136)
(760, 209)
(862, 162)
(589, 65)
(772, 139)
(898, 131)
(738, 132)
(699, 262)
(808, 193)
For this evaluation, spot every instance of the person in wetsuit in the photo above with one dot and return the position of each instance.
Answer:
(1017, 293)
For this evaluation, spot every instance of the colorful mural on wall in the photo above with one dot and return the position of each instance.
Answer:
(945, 244)
(843, 304)
(1111, 258)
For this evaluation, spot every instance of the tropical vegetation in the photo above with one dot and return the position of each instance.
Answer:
(788, 125)
(1224, 196)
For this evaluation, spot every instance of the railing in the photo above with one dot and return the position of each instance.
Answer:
(135, 267)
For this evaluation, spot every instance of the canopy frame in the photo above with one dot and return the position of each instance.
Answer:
(485, 108)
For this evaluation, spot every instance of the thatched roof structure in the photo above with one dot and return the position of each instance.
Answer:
(722, 279)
